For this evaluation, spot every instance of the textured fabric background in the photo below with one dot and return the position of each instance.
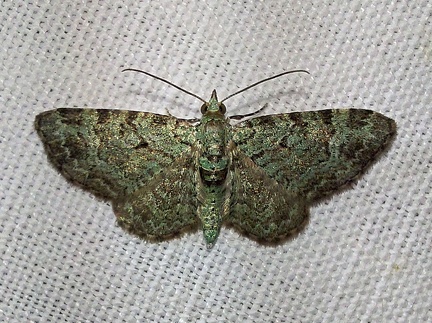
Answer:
(365, 254)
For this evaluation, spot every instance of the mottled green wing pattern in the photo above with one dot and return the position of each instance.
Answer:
(112, 153)
(151, 165)
(165, 207)
(262, 208)
(313, 153)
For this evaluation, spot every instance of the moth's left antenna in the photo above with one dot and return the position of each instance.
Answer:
(165, 81)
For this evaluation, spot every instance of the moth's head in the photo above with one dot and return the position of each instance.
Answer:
(213, 105)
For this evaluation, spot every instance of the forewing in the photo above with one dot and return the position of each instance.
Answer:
(261, 208)
(112, 153)
(314, 153)
(165, 207)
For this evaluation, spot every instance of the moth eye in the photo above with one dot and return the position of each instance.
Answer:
(204, 108)
(222, 108)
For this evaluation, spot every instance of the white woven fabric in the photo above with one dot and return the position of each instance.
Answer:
(365, 254)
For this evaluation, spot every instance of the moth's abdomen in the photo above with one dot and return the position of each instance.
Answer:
(210, 213)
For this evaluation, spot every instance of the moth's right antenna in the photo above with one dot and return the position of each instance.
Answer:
(265, 80)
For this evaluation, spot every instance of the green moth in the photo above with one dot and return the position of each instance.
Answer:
(166, 176)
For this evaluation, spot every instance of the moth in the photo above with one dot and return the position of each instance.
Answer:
(166, 176)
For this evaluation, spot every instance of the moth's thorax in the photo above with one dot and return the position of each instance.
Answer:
(214, 160)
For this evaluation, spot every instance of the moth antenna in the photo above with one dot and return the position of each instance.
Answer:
(165, 81)
(265, 80)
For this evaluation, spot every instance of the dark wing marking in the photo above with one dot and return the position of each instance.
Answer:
(112, 153)
(314, 153)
